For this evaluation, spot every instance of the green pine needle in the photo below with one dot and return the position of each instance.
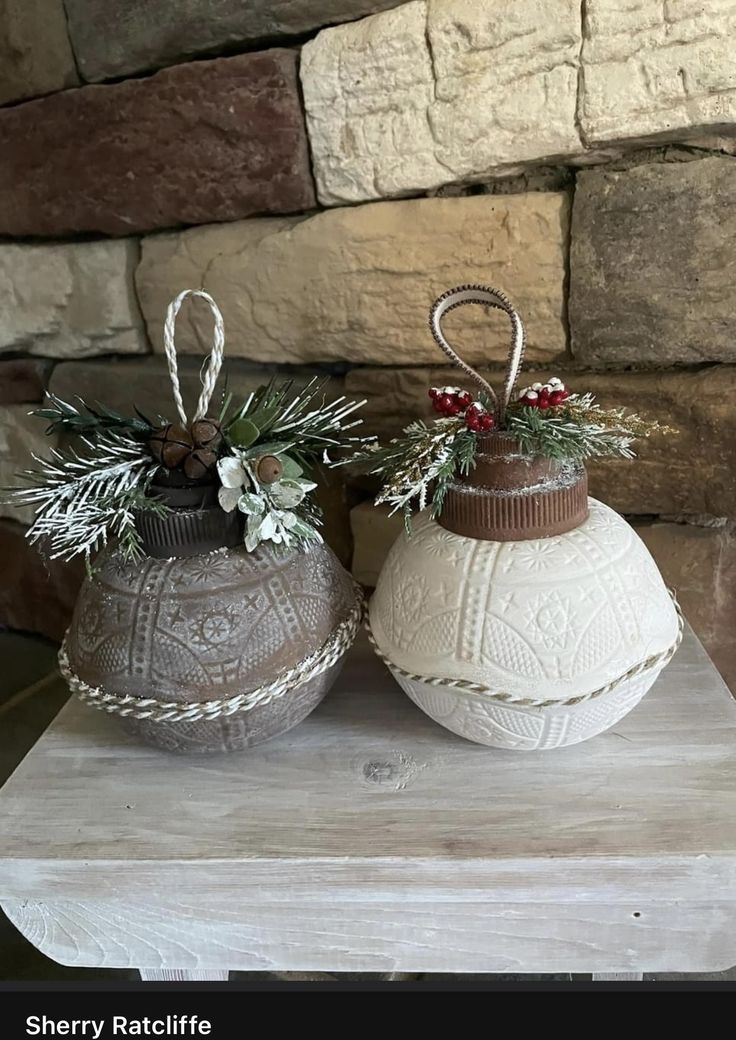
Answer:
(580, 429)
(86, 495)
(87, 421)
(301, 422)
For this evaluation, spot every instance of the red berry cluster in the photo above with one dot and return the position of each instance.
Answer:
(452, 401)
(544, 395)
(478, 419)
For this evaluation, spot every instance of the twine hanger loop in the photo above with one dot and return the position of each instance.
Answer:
(212, 365)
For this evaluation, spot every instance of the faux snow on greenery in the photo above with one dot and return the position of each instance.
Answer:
(88, 494)
(418, 467)
(275, 512)
(92, 492)
(579, 429)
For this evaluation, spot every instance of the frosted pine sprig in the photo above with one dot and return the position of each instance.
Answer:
(85, 496)
(419, 465)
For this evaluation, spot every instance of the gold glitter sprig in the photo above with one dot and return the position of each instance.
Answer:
(580, 429)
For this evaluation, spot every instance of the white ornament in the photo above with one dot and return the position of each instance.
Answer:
(544, 619)
(536, 386)
(531, 395)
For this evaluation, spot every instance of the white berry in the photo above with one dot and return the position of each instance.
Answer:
(532, 395)
(536, 386)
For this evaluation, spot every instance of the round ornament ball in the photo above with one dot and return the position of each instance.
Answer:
(521, 633)
(527, 615)
(192, 631)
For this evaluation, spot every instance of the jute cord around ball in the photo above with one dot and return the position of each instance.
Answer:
(149, 708)
(654, 661)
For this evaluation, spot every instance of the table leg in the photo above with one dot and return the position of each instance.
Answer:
(618, 976)
(182, 975)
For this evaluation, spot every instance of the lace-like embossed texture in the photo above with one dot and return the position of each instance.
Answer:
(526, 729)
(548, 618)
(215, 625)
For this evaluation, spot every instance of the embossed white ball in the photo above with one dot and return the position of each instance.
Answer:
(549, 619)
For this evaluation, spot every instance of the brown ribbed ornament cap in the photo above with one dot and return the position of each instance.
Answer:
(195, 523)
(509, 496)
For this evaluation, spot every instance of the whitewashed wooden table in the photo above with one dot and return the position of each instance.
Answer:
(370, 839)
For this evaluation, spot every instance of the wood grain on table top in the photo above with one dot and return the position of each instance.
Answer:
(369, 794)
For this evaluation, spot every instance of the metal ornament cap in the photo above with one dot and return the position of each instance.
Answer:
(194, 524)
(510, 496)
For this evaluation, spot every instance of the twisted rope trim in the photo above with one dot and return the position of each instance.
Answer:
(489, 297)
(214, 363)
(340, 640)
(655, 661)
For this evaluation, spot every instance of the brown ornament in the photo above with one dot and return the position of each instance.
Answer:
(269, 469)
(199, 463)
(208, 626)
(206, 433)
(170, 445)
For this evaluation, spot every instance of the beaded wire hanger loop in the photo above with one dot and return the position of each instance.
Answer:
(486, 297)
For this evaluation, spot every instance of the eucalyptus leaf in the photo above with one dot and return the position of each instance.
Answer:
(243, 433)
(292, 469)
(268, 448)
(252, 533)
(304, 530)
(231, 472)
(286, 494)
(252, 505)
(228, 498)
(266, 414)
(268, 527)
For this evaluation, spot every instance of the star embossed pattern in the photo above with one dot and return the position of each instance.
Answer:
(548, 618)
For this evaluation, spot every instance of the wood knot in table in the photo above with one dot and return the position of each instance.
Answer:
(388, 770)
